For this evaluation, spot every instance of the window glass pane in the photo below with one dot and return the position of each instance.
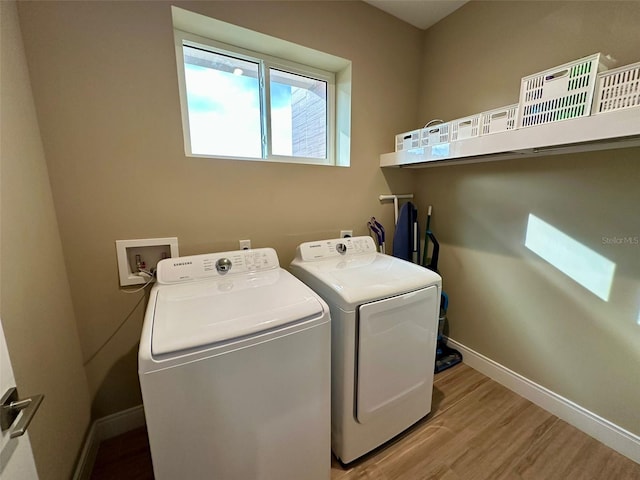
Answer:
(298, 115)
(224, 104)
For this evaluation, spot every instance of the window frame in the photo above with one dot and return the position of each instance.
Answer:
(265, 62)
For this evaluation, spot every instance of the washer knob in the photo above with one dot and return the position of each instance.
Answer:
(223, 265)
(341, 248)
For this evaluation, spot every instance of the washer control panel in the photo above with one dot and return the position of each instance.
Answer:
(335, 248)
(198, 267)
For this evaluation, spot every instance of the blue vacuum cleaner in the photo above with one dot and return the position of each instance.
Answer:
(446, 357)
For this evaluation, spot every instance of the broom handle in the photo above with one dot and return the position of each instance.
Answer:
(426, 239)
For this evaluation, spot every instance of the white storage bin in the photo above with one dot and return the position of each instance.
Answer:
(617, 89)
(467, 127)
(407, 140)
(560, 93)
(499, 119)
(434, 135)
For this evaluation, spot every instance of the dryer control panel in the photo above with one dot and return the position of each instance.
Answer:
(198, 267)
(335, 248)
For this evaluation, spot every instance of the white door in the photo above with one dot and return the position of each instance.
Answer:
(396, 352)
(16, 457)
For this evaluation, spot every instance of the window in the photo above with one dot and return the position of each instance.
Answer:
(243, 106)
(223, 101)
(246, 104)
(299, 115)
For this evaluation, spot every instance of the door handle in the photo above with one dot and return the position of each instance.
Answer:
(11, 406)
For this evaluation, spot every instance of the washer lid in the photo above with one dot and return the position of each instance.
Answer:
(351, 281)
(211, 311)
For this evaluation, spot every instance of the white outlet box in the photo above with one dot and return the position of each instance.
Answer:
(346, 233)
(151, 251)
(245, 244)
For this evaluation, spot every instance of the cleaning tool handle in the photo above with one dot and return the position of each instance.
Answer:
(426, 239)
(436, 251)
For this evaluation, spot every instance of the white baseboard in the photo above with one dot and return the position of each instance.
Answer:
(615, 437)
(103, 429)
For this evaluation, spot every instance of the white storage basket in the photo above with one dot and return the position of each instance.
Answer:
(408, 140)
(560, 93)
(434, 135)
(618, 89)
(467, 127)
(499, 119)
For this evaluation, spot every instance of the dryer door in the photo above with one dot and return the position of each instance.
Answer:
(396, 352)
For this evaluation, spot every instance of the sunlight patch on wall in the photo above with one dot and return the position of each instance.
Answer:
(588, 268)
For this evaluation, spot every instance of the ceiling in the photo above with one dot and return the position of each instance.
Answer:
(419, 13)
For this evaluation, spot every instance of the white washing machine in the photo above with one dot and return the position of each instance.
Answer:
(234, 366)
(384, 322)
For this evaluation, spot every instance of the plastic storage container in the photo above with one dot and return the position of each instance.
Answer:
(407, 140)
(560, 93)
(434, 135)
(499, 119)
(618, 89)
(467, 127)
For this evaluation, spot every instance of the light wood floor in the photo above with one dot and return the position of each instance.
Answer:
(477, 430)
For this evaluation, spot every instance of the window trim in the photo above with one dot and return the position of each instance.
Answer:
(213, 28)
(266, 62)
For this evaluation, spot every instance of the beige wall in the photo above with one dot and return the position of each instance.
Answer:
(105, 86)
(37, 313)
(506, 302)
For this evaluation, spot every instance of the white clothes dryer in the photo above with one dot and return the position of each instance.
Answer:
(384, 322)
(234, 367)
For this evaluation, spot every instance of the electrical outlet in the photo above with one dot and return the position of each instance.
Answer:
(346, 233)
(245, 244)
(134, 255)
